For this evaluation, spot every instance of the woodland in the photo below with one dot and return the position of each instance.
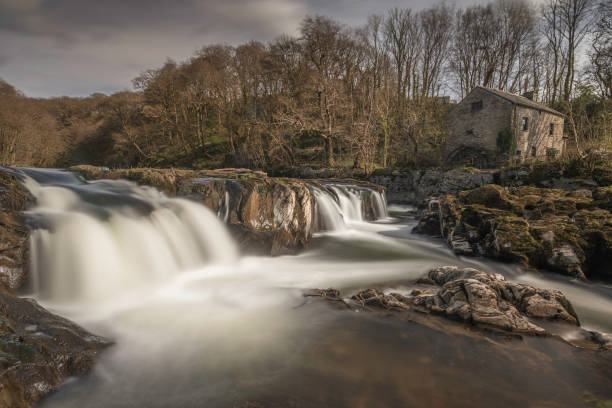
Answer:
(333, 96)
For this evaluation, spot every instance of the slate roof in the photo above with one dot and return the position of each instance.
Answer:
(520, 100)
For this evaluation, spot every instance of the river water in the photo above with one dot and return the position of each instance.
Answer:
(195, 324)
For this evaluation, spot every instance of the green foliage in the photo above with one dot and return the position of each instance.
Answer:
(505, 141)
(592, 401)
(552, 153)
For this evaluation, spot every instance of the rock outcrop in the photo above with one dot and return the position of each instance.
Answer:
(38, 351)
(13, 232)
(412, 186)
(559, 230)
(481, 300)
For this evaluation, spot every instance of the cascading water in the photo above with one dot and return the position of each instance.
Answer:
(340, 204)
(94, 240)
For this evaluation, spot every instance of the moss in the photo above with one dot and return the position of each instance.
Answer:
(592, 401)
(490, 195)
(515, 242)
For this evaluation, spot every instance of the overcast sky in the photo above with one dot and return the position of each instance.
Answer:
(78, 47)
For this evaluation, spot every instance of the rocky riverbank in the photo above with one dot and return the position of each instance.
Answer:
(413, 186)
(565, 231)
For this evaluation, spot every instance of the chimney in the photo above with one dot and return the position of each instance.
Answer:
(531, 95)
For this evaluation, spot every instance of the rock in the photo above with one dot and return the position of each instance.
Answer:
(492, 196)
(412, 186)
(480, 299)
(39, 350)
(546, 228)
(88, 172)
(14, 235)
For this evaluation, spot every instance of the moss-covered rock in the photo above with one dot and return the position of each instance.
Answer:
(555, 229)
(492, 196)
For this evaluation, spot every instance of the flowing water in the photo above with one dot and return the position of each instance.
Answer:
(197, 325)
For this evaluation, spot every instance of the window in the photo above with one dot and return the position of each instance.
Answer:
(518, 153)
(476, 106)
(534, 151)
(525, 123)
(551, 130)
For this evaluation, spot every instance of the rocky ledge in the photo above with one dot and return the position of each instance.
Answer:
(39, 350)
(484, 301)
(559, 230)
(265, 214)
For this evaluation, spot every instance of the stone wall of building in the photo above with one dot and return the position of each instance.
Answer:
(536, 141)
(477, 129)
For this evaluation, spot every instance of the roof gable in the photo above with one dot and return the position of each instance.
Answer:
(518, 100)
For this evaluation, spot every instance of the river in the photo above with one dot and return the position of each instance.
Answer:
(197, 324)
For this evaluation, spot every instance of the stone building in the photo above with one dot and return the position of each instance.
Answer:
(489, 126)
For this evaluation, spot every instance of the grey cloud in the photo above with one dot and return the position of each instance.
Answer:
(77, 47)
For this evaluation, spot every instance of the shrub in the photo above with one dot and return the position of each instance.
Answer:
(505, 141)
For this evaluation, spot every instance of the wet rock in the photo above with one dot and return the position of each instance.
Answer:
(39, 350)
(480, 299)
(266, 215)
(13, 232)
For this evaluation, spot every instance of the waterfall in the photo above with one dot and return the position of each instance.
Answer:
(328, 214)
(95, 240)
(337, 205)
